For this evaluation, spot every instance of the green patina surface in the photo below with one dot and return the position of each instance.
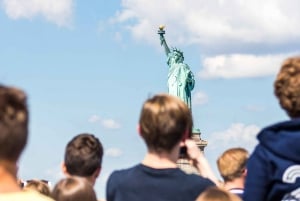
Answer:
(180, 78)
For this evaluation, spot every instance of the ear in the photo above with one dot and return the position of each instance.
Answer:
(64, 169)
(185, 135)
(138, 128)
(97, 172)
(245, 172)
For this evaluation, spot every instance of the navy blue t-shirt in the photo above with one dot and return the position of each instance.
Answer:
(148, 184)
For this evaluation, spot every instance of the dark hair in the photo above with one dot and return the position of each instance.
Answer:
(73, 189)
(83, 155)
(287, 86)
(163, 122)
(13, 122)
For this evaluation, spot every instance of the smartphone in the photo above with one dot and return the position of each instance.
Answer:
(182, 152)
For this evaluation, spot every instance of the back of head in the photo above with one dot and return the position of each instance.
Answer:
(287, 86)
(232, 163)
(73, 189)
(83, 155)
(13, 123)
(39, 186)
(164, 120)
(217, 194)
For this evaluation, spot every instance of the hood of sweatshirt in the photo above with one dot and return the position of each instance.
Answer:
(283, 139)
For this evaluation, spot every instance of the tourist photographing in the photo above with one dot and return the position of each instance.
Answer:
(165, 125)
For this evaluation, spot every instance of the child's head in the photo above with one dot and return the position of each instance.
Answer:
(73, 189)
(232, 163)
(39, 186)
(164, 121)
(217, 194)
(83, 155)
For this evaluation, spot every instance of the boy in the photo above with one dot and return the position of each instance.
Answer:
(165, 124)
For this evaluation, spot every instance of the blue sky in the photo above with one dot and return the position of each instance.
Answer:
(88, 67)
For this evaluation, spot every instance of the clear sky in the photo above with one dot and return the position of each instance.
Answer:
(87, 66)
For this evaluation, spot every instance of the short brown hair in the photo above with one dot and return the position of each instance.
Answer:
(13, 122)
(83, 155)
(73, 189)
(287, 86)
(232, 163)
(164, 120)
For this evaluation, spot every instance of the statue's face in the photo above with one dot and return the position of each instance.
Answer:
(178, 57)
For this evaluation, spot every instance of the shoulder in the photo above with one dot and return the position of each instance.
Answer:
(195, 184)
(24, 196)
(38, 197)
(199, 179)
(121, 175)
(118, 180)
(124, 172)
(195, 180)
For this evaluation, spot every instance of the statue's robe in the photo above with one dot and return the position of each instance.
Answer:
(181, 82)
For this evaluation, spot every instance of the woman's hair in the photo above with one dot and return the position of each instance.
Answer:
(73, 189)
(287, 86)
(217, 194)
(38, 185)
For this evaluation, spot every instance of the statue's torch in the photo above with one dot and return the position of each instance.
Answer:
(161, 33)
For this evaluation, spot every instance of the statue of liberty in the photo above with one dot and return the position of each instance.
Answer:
(180, 78)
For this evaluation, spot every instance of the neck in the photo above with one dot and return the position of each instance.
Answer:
(162, 159)
(8, 180)
(91, 180)
(236, 183)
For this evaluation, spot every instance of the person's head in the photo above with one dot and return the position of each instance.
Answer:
(73, 189)
(165, 120)
(13, 123)
(38, 185)
(232, 163)
(287, 86)
(83, 157)
(217, 194)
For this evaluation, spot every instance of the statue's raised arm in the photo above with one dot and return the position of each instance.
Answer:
(163, 42)
(180, 78)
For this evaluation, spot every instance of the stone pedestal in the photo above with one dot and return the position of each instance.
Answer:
(183, 163)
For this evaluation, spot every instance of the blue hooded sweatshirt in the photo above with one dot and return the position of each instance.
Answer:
(274, 166)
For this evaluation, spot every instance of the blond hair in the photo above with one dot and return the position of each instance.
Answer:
(217, 194)
(232, 163)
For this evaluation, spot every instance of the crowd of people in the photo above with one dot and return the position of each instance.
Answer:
(270, 173)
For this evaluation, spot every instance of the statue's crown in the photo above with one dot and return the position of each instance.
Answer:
(174, 49)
